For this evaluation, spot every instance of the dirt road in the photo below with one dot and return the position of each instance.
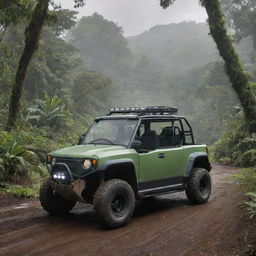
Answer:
(166, 225)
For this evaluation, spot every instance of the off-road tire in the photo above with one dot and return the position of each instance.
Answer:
(114, 203)
(52, 202)
(199, 186)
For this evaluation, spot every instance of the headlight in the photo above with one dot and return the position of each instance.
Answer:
(87, 163)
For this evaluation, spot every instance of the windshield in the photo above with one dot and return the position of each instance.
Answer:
(111, 132)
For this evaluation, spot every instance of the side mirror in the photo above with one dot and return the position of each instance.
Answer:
(81, 139)
(136, 144)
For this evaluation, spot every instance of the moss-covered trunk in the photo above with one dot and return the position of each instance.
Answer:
(234, 69)
(32, 35)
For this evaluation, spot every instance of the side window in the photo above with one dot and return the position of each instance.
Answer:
(159, 126)
(150, 133)
(188, 135)
(160, 134)
(171, 135)
(188, 139)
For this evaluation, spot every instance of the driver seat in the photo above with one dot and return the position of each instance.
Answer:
(150, 140)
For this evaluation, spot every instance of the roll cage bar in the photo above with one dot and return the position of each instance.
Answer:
(156, 113)
(160, 113)
(185, 133)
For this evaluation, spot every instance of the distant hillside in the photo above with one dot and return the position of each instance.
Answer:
(178, 47)
(176, 65)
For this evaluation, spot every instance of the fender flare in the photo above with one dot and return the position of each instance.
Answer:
(106, 169)
(192, 160)
(110, 163)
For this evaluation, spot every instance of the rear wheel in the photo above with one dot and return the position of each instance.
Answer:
(199, 186)
(114, 203)
(52, 202)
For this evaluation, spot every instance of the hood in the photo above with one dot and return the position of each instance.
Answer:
(81, 151)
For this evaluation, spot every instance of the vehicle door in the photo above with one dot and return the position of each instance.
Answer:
(164, 164)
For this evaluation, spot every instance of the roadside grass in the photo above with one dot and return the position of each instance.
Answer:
(20, 191)
(247, 181)
(28, 188)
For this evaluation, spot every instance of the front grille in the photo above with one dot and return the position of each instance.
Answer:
(74, 164)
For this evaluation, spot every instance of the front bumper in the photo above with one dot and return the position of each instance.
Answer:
(72, 191)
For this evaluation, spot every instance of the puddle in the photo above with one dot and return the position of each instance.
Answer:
(20, 206)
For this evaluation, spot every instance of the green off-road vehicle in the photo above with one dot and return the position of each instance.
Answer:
(127, 155)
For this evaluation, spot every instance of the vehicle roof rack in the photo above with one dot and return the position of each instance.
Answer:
(142, 111)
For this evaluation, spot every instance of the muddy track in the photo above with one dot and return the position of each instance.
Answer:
(166, 225)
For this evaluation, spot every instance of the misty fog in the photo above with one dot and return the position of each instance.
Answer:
(131, 54)
(136, 16)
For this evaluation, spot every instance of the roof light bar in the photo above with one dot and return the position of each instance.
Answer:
(152, 110)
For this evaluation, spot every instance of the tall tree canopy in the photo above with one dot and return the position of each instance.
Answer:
(234, 69)
(242, 18)
(101, 42)
(12, 12)
(32, 35)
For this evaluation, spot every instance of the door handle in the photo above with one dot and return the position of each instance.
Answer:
(161, 155)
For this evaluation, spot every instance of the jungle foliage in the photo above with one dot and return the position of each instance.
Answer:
(82, 68)
(61, 97)
(247, 179)
(236, 146)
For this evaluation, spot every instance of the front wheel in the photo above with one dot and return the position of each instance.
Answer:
(52, 202)
(114, 203)
(199, 186)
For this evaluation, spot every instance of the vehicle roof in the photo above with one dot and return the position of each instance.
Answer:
(145, 117)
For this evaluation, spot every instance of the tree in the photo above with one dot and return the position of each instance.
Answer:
(32, 35)
(12, 12)
(242, 18)
(31, 43)
(102, 44)
(234, 69)
(62, 20)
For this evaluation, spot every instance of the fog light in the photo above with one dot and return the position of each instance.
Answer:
(59, 176)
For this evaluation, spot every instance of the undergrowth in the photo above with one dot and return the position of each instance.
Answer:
(21, 191)
(236, 147)
(22, 158)
(247, 180)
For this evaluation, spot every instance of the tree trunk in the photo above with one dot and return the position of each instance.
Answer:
(234, 69)
(32, 35)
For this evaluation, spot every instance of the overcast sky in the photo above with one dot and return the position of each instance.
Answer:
(136, 16)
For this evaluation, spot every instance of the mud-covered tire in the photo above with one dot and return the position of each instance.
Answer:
(52, 202)
(199, 186)
(114, 203)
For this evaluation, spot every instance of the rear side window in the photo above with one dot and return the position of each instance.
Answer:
(188, 135)
(160, 134)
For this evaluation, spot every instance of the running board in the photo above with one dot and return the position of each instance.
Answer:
(162, 190)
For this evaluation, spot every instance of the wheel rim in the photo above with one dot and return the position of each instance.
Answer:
(203, 184)
(118, 204)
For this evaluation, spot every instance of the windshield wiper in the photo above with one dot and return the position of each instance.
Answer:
(93, 141)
